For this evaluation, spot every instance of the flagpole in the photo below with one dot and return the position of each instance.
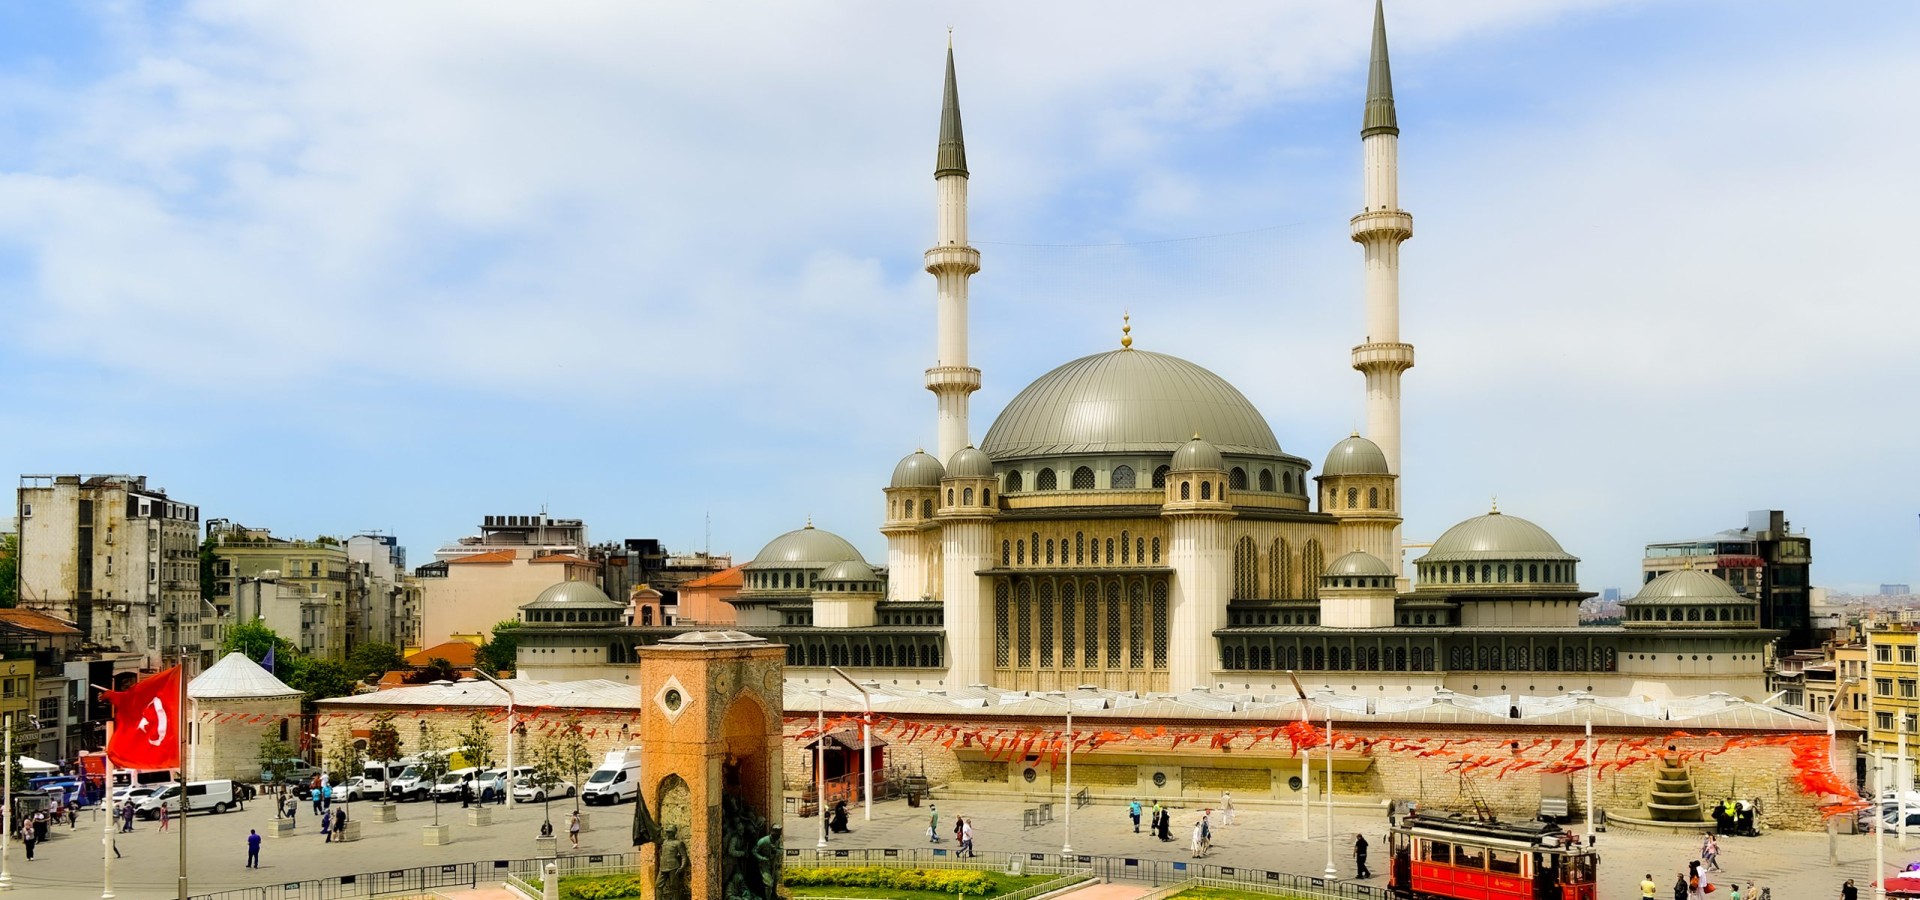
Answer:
(186, 800)
(106, 834)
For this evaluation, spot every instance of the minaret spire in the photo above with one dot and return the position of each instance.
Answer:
(951, 261)
(1380, 228)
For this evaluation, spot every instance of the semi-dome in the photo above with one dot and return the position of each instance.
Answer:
(1356, 456)
(849, 570)
(805, 546)
(1359, 562)
(572, 593)
(969, 462)
(1687, 586)
(918, 469)
(1495, 536)
(1127, 401)
(1197, 455)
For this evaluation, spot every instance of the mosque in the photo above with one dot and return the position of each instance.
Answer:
(1130, 523)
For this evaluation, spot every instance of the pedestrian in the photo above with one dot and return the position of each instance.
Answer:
(1194, 848)
(1226, 808)
(1133, 811)
(1360, 856)
(1711, 853)
(326, 829)
(1647, 887)
(573, 829)
(292, 806)
(1206, 832)
(165, 817)
(466, 790)
(933, 823)
(1166, 826)
(1680, 886)
(959, 828)
(1735, 893)
(340, 825)
(966, 836)
(500, 789)
(253, 849)
(126, 816)
(1849, 892)
(318, 796)
(27, 837)
(115, 845)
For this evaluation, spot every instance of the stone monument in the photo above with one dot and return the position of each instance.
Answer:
(706, 823)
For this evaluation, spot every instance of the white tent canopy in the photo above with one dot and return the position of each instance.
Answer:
(33, 765)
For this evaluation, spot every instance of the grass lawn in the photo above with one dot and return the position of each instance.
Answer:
(1214, 893)
(1002, 884)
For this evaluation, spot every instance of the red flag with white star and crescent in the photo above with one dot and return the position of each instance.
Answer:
(146, 723)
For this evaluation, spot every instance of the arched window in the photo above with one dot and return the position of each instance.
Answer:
(986, 496)
(1049, 551)
(1122, 478)
(1710, 614)
(1389, 498)
(1277, 573)
(926, 509)
(1020, 553)
(1693, 614)
(1353, 498)
(1159, 477)
(1013, 481)
(1079, 548)
(1186, 490)
(949, 496)
(1206, 490)
(1083, 479)
(1456, 575)
(1373, 498)
(1045, 481)
(1486, 573)
(1470, 571)
(1312, 564)
(1266, 480)
(1109, 551)
(1286, 481)
(1126, 551)
(1156, 551)
(1237, 478)
(1006, 552)
(966, 496)
(1503, 573)
(907, 509)
(1245, 559)
(1533, 573)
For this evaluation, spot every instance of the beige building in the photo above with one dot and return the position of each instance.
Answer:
(303, 589)
(235, 703)
(474, 592)
(119, 559)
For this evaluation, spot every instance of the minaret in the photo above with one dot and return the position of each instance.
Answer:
(1379, 229)
(952, 262)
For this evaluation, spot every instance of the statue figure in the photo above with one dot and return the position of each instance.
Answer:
(671, 873)
(767, 852)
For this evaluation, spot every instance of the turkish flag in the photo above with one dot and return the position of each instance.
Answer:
(146, 723)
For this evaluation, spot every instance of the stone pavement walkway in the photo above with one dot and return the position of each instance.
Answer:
(1793, 864)
(1112, 891)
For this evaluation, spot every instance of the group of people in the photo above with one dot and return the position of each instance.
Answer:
(474, 792)
(333, 821)
(962, 831)
(1735, 818)
(1693, 884)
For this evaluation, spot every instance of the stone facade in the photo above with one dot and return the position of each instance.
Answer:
(226, 741)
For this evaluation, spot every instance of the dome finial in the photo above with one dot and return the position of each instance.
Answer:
(1126, 329)
(809, 520)
(1496, 506)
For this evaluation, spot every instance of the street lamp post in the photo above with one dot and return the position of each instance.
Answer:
(820, 769)
(866, 742)
(6, 810)
(1306, 765)
(1589, 703)
(1331, 872)
(1066, 845)
(510, 700)
(1879, 826)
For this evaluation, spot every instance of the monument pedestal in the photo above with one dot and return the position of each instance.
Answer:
(348, 832)
(545, 846)
(436, 835)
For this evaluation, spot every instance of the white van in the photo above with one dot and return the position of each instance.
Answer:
(448, 788)
(617, 779)
(202, 796)
(378, 774)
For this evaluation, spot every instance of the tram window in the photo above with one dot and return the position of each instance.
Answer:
(1436, 852)
(1506, 862)
(1465, 857)
(1579, 869)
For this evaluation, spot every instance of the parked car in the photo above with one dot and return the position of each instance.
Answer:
(299, 771)
(448, 788)
(133, 793)
(525, 791)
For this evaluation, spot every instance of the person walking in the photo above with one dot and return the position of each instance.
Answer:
(1710, 851)
(573, 829)
(326, 829)
(340, 825)
(1735, 893)
(933, 824)
(253, 849)
(28, 838)
(1194, 847)
(1226, 808)
(500, 789)
(1647, 887)
(1166, 826)
(1133, 812)
(291, 807)
(1680, 886)
(165, 817)
(966, 837)
(1849, 892)
(126, 817)
(1360, 857)
(1206, 832)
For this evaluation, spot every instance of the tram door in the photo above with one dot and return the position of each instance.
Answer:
(1545, 876)
(1402, 861)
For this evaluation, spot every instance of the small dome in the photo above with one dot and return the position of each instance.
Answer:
(1198, 456)
(572, 593)
(805, 546)
(1688, 586)
(918, 470)
(1359, 562)
(1356, 456)
(969, 463)
(1495, 536)
(850, 570)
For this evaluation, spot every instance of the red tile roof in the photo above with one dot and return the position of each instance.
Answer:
(460, 653)
(725, 578)
(491, 556)
(562, 558)
(36, 621)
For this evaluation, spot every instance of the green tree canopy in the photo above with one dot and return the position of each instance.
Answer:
(9, 571)
(206, 569)
(254, 639)
(373, 659)
(317, 678)
(499, 653)
(476, 742)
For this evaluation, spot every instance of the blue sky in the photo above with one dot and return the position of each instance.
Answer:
(325, 269)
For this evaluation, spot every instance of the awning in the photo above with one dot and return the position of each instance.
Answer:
(847, 739)
(33, 765)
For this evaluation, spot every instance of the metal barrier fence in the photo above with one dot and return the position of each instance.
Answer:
(1156, 872)
(426, 878)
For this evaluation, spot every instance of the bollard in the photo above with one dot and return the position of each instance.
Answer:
(550, 887)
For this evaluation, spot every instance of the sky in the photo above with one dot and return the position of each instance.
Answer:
(330, 268)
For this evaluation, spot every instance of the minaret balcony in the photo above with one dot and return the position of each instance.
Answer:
(1383, 355)
(1377, 224)
(946, 378)
(965, 260)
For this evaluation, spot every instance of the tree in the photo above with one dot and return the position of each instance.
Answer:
(207, 561)
(276, 760)
(345, 762)
(383, 747)
(254, 639)
(433, 760)
(373, 659)
(550, 768)
(9, 570)
(476, 743)
(26, 734)
(438, 668)
(318, 679)
(570, 753)
(501, 652)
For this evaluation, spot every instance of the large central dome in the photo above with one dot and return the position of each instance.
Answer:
(1127, 401)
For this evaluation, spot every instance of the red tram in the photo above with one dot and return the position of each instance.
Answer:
(1457, 858)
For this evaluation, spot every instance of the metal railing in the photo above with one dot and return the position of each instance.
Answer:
(1136, 870)
(424, 879)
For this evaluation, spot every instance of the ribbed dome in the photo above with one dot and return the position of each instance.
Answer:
(918, 470)
(572, 593)
(1495, 536)
(850, 570)
(1197, 455)
(1355, 456)
(969, 463)
(1359, 562)
(1127, 401)
(237, 677)
(1688, 586)
(806, 546)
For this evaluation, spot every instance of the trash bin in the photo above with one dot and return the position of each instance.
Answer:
(913, 799)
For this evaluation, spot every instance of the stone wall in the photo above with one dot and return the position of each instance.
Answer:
(226, 743)
(601, 728)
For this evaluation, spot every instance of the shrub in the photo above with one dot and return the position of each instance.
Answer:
(607, 888)
(959, 882)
